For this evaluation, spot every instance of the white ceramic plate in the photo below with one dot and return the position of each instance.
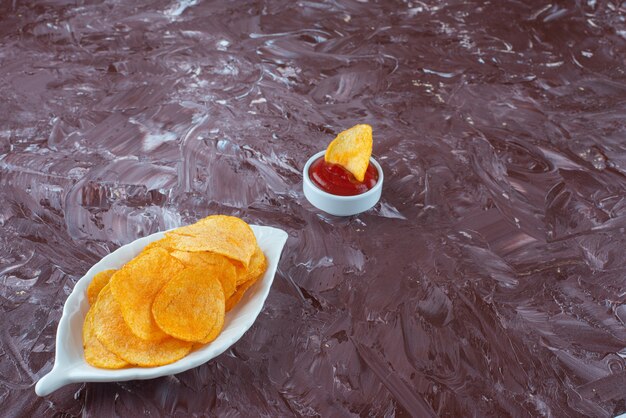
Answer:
(70, 365)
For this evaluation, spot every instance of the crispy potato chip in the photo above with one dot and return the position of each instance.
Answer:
(97, 283)
(258, 265)
(97, 354)
(241, 289)
(225, 235)
(215, 331)
(246, 278)
(162, 243)
(227, 274)
(113, 332)
(352, 150)
(136, 285)
(191, 305)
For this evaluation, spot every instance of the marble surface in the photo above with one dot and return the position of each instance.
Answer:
(489, 280)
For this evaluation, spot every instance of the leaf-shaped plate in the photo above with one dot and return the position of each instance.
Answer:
(70, 365)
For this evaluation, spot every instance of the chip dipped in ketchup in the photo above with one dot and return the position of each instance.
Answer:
(334, 179)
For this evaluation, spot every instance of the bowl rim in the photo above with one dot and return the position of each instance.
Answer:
(372, 191)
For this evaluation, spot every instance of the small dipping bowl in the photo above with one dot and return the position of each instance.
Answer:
(341, 205)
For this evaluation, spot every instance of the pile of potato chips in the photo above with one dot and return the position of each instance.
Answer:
(173, 296)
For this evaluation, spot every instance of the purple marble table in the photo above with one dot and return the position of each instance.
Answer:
(488, 281)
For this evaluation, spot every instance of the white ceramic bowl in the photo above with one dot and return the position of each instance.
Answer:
(69, 363)
(340, 205)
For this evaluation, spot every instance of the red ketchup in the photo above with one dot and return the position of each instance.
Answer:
(334, 179)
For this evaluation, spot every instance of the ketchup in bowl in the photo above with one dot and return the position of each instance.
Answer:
(334, 179)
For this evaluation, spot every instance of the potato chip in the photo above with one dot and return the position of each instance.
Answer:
(215, 331)
(225, 235)
(113, 332)
(241, 289)
(191, 305)
(97, 354)
(352, 150)
(136, 285)
(162, 243)
(97, 283)
(227, 274)
(258, 265)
